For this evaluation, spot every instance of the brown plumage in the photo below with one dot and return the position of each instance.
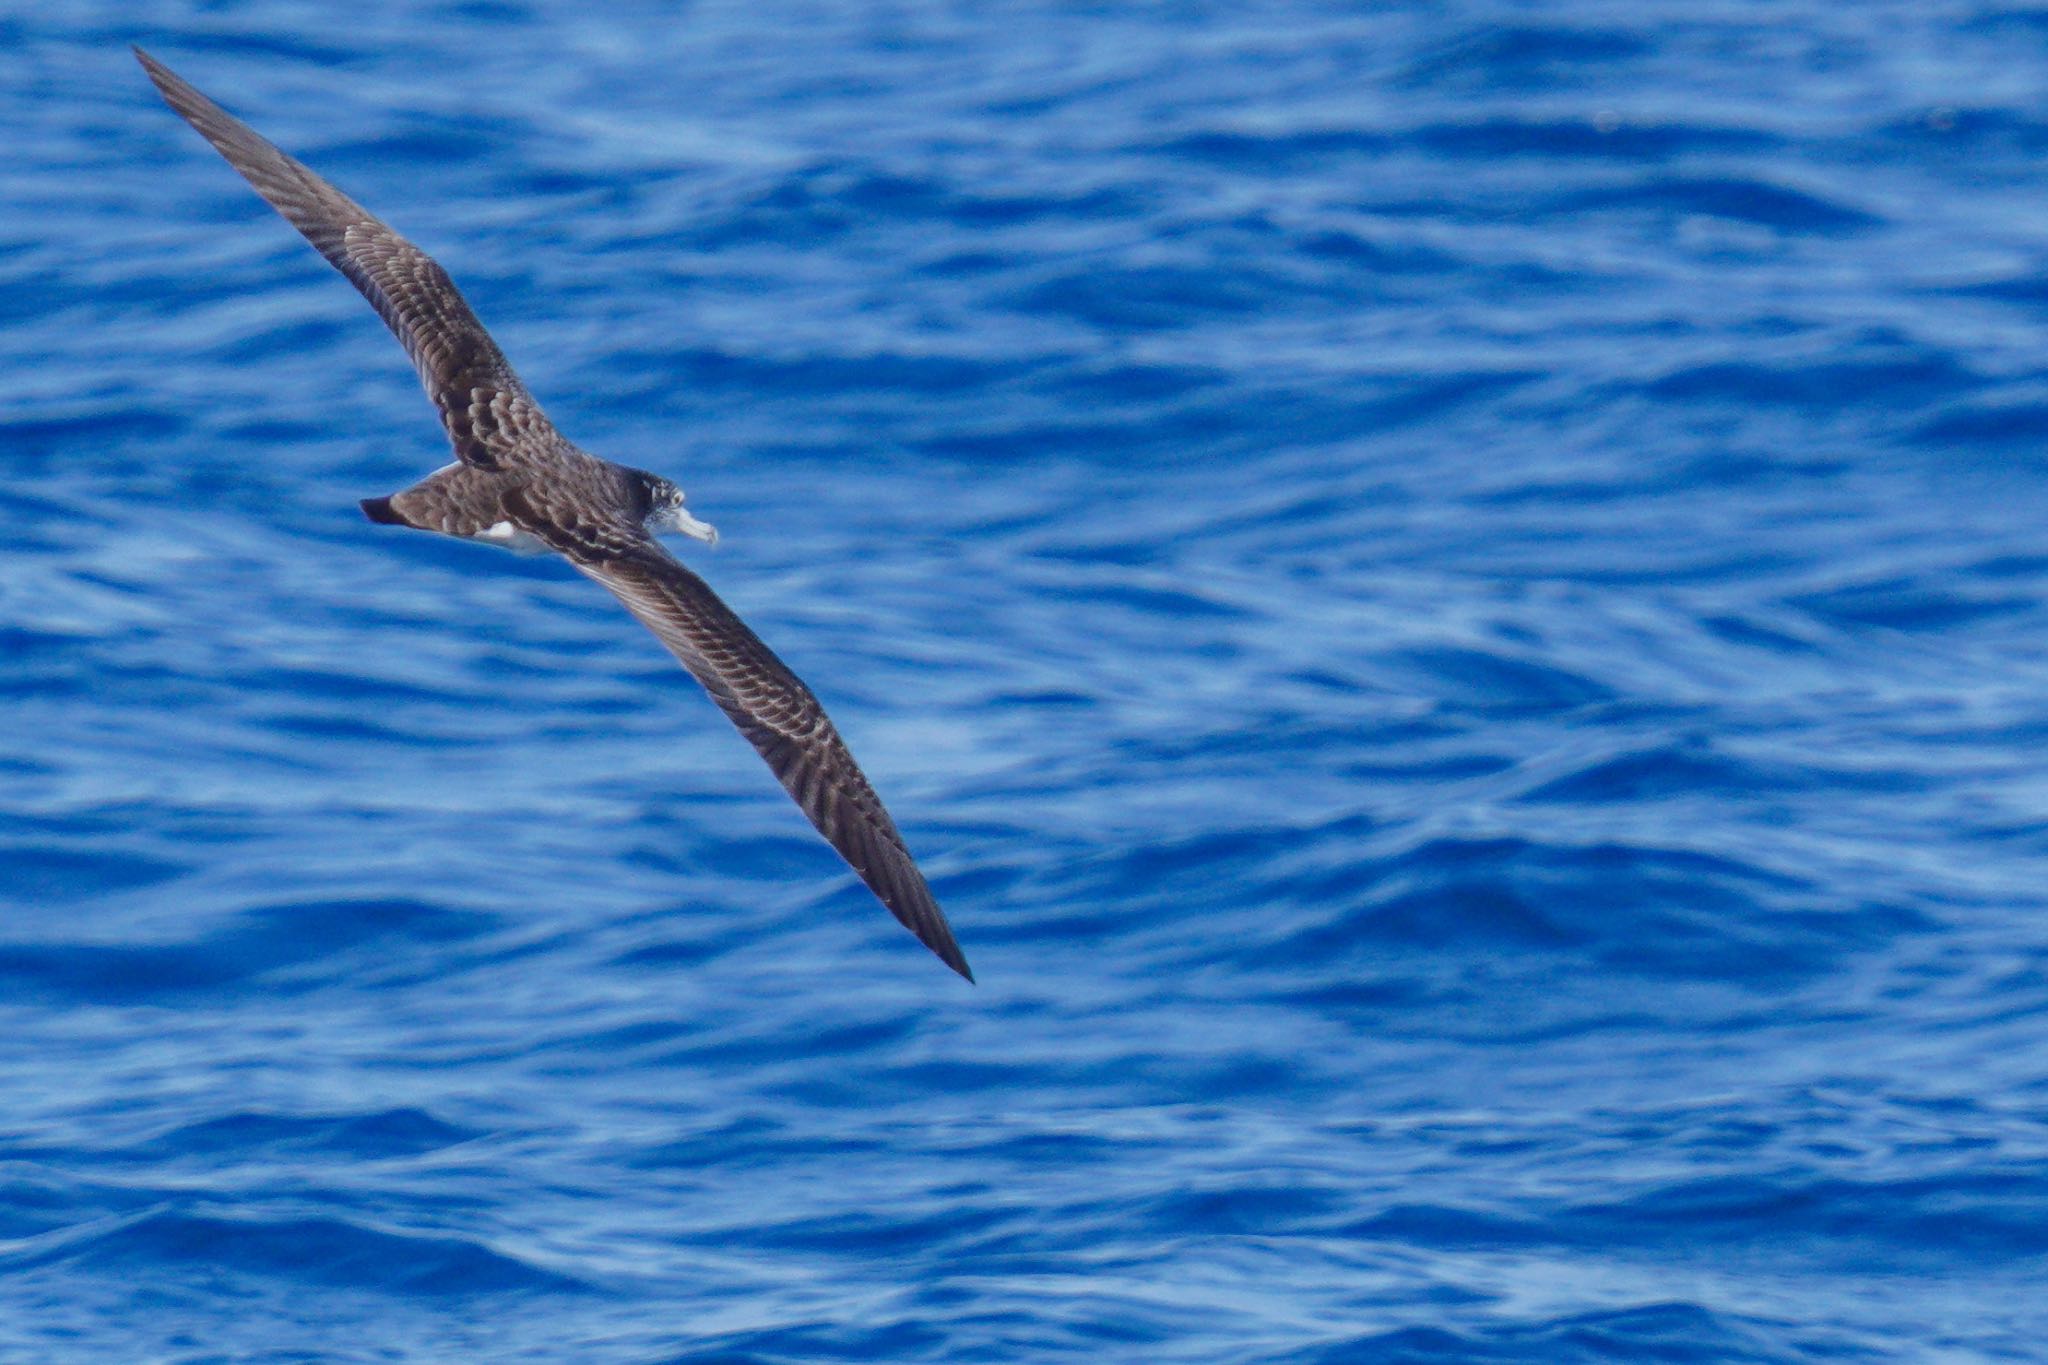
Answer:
(520, 483)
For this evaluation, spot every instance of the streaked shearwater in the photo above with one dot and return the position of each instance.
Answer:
(519, 483)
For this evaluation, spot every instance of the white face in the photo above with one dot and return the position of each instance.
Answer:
(669, 514)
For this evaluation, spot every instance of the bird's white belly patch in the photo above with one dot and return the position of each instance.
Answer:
(512, 538)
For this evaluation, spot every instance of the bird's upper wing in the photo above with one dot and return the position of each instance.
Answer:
(770, 705)
(488, 413)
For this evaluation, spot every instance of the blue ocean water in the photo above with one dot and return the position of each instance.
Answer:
(1455, 599)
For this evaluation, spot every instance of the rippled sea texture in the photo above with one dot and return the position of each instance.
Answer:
(1454, 600)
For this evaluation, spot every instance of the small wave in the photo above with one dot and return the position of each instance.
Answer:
(1513, 56)
(44, 873)
(1989, 1215)
(273, 945)
(1676, 1333)
(1665, 771)
(826, 202)
(1654, 911)
(256, 1135)
(1146, 297)
(1913, 605)
(1736, 198)
(332, 1252)
(1498, 683)
(1904, 381)
(1995, 423)
(1589, 137)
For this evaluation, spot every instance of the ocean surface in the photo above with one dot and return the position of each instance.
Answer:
(1454, 598)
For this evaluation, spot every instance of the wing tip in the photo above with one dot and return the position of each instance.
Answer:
(957, 960)
(918, 911)
(933, 932)
(160, 75)
(183, 97)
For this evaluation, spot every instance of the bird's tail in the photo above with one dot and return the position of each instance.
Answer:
(381, 511)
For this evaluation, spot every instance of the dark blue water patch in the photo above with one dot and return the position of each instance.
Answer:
(1450, 1227)
(43, 437)
(1986, 422)
(330, 1252)
(268, 948)
(1905, 381)
(889, 196)
(2029, 288)
(26, 297)
(1594, 136)
(1273, 153)
(1445, 914)
(361, 688)
(710, 367)
(898, 1340)
(1668, 771)
(1247, 1208)
(485, 12)
(1673, 1331)
(1661, 913)
(574, 190)
(1383, 256)
(1913, 605)
(43, 873)
(431, 141)
(829, 202)
(1141, 298)
(1988, 1217)
(1952, 130)
(2011, 566)
(1498, 682)
(2017, 21)
(1760, 202)
(674, 953)
(273, 429)
(43, 662)
(871, 1234)
(1735, 468)
(1521, 56)
(289, 48)
(1760, 631)
(741, 1048)
(1161, 602)
(1092, 379)
(112, 973)
(740, 1141)
(257, 1136)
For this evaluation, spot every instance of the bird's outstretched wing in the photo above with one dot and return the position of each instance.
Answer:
(489, 415)
(770, 705)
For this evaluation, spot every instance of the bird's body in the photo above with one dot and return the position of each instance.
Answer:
(519, 483)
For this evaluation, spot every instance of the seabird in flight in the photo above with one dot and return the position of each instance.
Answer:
(519, 483)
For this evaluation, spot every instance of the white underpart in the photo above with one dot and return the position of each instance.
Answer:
(512, 538)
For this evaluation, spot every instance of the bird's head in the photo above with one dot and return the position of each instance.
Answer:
(665, 511)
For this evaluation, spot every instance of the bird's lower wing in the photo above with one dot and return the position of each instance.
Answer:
(485, 408)
(780, 718)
